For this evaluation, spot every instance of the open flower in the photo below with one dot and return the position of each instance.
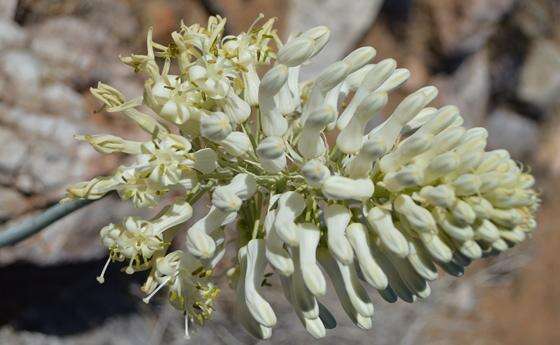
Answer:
(392, 205)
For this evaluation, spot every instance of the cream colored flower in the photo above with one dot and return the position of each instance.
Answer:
(392, 205)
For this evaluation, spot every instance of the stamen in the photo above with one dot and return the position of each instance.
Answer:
(101, 277)
(187, 335)
(259, 17)
(129, 269)
(149, 297)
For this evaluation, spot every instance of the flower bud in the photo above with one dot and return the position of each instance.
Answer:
(296, 51)
(442, 195)
(205, 160)
(350, 139)
(445, 117)
(251, 83)
(272, 81)
(399, 77)
(290, 206)
(435, 246)
(359, 58)
(252, 319)
(467, 184)
(463, 213)
(259, 308)
(331, 76)
(278, 257)
(481, 207)
(175, 111)
(355, 79)
(471, 250)
(106, 144)
(491, 160)
(373, 274)
(215, 127)
(288, 98)
(272, 121)
(500, 245)
(468, 161)
(303, 299)
(94, 189)
(404, 112)
(236, 144)
(458, 232)
(197, 73)
(526, 181)
(350, 292)
(421, 263)
(315, 172)
(381, 222)
(487, 231)
(242, 185)
(320, 36)
(310, 144)
(417, 217)
(440, 166)
(514, 236)
(407, 150)
(308, 236)
(506, 218)
(510, 198)
(274, 165)
(271, 147)
(344, 188)
(361, 164)
(235, 108)
(408, 176)
(444, 141)
(172, 215)
(199, 242)
(372, 81)
(225, 200)
(420, 119)
(337, 218)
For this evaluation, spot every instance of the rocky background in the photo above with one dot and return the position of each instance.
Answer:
(498, 60)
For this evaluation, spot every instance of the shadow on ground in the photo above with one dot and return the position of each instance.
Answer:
(64, 299)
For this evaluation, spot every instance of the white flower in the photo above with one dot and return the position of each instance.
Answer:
(311, 144)
(415, 193)
(236, 144)
(358, 237)
(276, 254)
(350, 139)
(337, 218)
(344, 188)
(259, 308)
(290, 206)
(215, 126)
(271, 152)
(309, 235)
(372, 80)
(351, 293)
(296, 51)
(381, 222)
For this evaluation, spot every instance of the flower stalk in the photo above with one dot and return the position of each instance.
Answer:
(389, 205)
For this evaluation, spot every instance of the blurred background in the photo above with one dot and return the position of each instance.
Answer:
(498, 60)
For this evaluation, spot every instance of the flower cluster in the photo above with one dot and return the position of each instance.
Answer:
(385, 206)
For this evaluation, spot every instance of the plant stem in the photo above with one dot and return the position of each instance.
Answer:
(32, 226)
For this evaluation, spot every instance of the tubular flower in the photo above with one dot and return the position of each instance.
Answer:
(385, 207)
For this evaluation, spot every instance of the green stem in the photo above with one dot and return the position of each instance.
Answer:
(32, 226)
